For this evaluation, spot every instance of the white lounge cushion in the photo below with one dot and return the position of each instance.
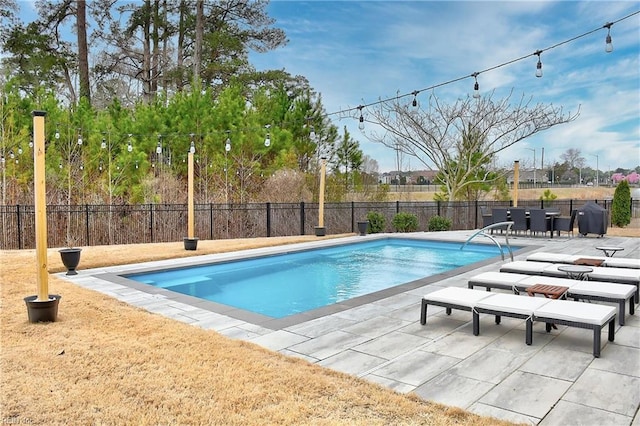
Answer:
(568, 310)
(603, 289)
(500, 278)
(552, 257)
(511, 303)
(522, 266)
(458, 296)
(624, 262)
(533, 279)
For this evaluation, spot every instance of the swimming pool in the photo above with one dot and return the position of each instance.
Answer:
(281, 285)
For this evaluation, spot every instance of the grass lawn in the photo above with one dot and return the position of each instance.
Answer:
(106, 362)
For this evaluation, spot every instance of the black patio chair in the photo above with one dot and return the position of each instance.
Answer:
(539, 221)
(565, 223)
(499, 215)
(519, 218)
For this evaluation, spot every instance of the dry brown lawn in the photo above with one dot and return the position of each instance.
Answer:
(106, 362)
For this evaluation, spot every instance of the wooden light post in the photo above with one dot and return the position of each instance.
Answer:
(190, 242)
(42, 307)
(320, 229)
(516, 179)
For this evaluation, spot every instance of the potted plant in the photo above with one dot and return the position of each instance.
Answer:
(70, 256)
(362, 227)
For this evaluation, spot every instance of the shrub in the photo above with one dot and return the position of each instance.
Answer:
(621, 205)
(439, 223)
(377, 222)
(548, 195)
(405, 222)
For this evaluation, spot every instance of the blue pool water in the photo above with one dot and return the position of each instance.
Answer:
(281, 285)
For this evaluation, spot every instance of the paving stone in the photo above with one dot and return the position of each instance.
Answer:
(330, 344)
(391, 345)
(569, 413)
(352, 362)
(452, 389)
(527, 394)
(416, 367)
(609, 391)
(546, 362)
(279, 339)
(376, 326)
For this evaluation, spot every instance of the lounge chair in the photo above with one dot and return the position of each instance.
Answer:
(576, 314)
(621, 294)
(599, 273)
(451, 298)
(565, 312)
(615, 262)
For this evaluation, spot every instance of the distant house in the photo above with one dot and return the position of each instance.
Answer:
(528, 176)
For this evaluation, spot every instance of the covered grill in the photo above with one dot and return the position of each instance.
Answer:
(592, 219)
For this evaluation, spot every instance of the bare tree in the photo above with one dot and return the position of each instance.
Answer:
(462, 138)
(573, 157)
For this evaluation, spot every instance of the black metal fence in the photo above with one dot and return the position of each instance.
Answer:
(90, 225)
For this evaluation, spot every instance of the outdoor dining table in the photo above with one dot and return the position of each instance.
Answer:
(550, 214)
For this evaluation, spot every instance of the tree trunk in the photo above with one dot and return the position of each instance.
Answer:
(83, 50)
(197, 52)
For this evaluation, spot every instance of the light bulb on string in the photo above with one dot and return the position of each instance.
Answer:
(159, 148)
(19, 151)
(608, 47)
(57, 134)
(130, 144)
(476, 86)
(267, 140)
(79, 138)
(227, 145)
(415, 99)
(192, 148)
(103, 145)
(31, 143)
(361, 119)
(538, 65)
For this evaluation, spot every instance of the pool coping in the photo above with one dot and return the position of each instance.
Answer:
(115, 275)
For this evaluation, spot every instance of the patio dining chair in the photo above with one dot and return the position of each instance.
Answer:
(565, 223)
(520, 221)
(539, 221)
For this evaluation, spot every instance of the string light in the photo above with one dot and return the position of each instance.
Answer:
(103, 145)
(539, 64)
(361, 119)
(476, 86)
(415, 100)
(608, 47)
(267, 140)
(79, 137)
(227, 144)
(159, 145)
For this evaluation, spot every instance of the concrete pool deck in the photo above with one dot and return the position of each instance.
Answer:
(556, 380)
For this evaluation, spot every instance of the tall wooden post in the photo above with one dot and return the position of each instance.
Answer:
(40, 202)
(190, 213)
(516, 179)
(323, 170)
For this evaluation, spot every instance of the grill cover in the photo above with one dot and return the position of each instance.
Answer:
(592, 219)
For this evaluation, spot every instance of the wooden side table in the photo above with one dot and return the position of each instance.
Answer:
(586, 261)
(550, 292)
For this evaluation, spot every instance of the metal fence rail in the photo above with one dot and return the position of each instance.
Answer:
(89, 225)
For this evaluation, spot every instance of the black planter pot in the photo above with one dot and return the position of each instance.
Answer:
(70, 258)
(362, 227)
(190, 243)
(321, 231)
(42, 311)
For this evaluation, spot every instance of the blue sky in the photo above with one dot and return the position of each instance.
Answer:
(356, 52)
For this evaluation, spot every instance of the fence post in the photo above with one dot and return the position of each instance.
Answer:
(301, 217)
(86, 223)
(268, 219)
(211, 221)
(151, 221)
(397, 206)
(353, 217)
(475, 220)
(438, 207)
(19, 227)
